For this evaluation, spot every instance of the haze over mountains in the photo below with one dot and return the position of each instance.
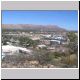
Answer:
(32, 27)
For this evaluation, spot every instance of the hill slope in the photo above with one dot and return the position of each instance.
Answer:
(32, 27)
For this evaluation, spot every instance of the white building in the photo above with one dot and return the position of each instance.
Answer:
(41, 46)
(55, 42)
(47, 35)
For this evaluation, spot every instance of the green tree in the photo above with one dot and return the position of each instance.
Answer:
(25, 41)
(73, 44)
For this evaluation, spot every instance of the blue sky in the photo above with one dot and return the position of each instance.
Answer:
(67, 19)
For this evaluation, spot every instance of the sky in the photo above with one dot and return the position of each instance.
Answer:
(67, 19)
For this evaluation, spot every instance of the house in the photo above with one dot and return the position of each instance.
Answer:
(41, 46)
(59, 39)
(35, 38)
(55, 42)
(46, 36)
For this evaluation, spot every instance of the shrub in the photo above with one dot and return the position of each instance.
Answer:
(70, 60)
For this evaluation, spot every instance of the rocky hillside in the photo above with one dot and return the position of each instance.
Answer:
(32, 27)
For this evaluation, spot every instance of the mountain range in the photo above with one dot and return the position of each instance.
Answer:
(29, 27)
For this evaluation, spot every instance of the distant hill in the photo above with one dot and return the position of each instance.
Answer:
(75, 31)
(31, 27)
